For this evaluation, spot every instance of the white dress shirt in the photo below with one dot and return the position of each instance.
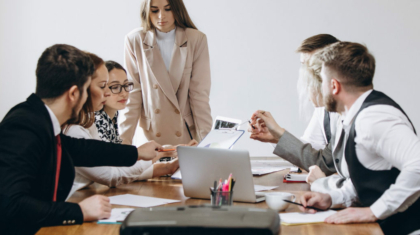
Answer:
(384, 139)
(110, 176)
(166, 43)
(55, 122)
(315, 132)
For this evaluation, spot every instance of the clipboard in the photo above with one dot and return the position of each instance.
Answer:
(224, 139)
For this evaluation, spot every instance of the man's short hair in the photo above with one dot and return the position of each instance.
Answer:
(316, 42)
(352, 62)
(59, 68)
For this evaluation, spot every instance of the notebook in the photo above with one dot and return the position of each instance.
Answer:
(295, 178)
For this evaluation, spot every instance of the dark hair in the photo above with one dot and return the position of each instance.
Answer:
(351, 61)
(316, 42)
(110, 65)
(86, 116)
(59, 68)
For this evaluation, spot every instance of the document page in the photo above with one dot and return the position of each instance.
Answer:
(259, 188)
(298, 218)
(222, 139)
(262, 167)
(139, 201)
(117, 215)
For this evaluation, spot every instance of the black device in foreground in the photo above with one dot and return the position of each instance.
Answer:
(204, 219)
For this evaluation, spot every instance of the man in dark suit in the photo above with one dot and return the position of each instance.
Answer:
(37, 161)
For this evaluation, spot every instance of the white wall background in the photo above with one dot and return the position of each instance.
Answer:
(252, 44)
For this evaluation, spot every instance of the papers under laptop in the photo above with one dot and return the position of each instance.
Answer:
(200, 167)
(262, 167)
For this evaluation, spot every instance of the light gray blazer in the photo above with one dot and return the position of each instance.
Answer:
(303, 155)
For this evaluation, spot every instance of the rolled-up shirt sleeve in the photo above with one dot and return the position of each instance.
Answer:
(391, 139)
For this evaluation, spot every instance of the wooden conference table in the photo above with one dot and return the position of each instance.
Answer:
(165, 187)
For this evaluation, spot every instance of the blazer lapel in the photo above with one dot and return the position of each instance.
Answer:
(157, 66)
(179, 56)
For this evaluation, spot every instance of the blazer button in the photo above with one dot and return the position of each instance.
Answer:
(177, 111)
(156, 86)
(337, 160)
(158, 134)
(157, 111)
(64, 222)
(178, 134)
(73, 221)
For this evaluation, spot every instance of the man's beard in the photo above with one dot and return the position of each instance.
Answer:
(330, 103)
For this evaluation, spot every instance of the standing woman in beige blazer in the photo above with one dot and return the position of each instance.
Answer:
(167, 59)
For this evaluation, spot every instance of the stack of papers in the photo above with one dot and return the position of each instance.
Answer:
(139, 201)
(259, 188)
(297, 218)
(262, 167)
(117, 215)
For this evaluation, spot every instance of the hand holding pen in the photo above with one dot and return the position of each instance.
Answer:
(313, 201)
(266, 128)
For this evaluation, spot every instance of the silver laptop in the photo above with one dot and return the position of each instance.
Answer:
(200, 167)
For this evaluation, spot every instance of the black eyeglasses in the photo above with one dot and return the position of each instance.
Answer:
(116, 89)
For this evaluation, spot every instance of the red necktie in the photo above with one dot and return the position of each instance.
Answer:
(57, 173)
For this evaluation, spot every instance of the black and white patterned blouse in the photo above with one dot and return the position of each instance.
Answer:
(107, 127)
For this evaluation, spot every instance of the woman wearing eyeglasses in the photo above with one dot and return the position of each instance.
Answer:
(106, 120)
(108, 92)
(167, 59)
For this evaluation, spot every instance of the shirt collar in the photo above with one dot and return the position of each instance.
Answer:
(165, 36)
(348, 116)
(55, 122)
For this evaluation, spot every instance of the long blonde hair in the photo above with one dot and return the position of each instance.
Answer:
(181, 16)
(309, 86)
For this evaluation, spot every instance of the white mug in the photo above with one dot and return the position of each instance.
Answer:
(275, 201)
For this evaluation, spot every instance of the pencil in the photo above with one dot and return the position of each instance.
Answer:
(166, 150)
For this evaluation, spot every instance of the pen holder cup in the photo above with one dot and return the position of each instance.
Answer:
(221, 198)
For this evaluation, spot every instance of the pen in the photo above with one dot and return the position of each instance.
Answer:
(310, 207)
(230, 182)
(253, 127)
(233, 183)
(166, 150)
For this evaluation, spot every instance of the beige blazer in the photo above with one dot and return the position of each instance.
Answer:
(163, 101)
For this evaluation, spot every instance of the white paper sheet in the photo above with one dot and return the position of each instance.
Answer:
(262, 167)
(259, 188)
(117, 215)
(139, 201)
(177, 175)
(222, 139)
(297, 218)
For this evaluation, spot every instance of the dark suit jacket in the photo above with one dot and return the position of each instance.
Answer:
(28, 166)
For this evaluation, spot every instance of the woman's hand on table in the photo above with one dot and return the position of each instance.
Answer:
(164, 168)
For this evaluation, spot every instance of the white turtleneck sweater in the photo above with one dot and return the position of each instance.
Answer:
(166, 42)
